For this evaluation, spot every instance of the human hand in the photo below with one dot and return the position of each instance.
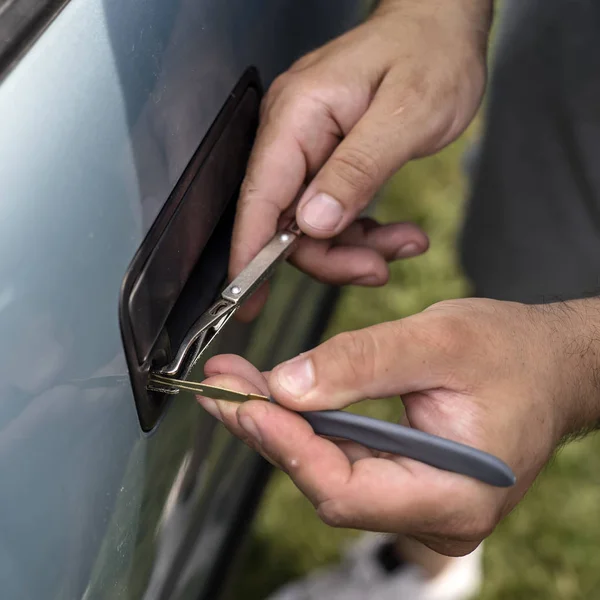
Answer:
(343, 119)
(506, 378)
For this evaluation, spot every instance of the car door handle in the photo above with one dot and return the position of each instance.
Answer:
(182, 263)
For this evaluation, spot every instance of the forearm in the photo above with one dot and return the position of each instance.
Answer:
(573, 333)
(476, 14)
(463, 25)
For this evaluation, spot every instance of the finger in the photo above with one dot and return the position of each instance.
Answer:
(360, 254)
(376, 362)
(236, 366)
(373, 150)
(295, 137)
(249, 380)
(392, 240)
(371, 493)
(234, 372)
(261, 421)
(252, 306)
(342, 265)
(224, 411)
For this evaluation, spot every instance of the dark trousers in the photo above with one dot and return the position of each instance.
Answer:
(532, 229)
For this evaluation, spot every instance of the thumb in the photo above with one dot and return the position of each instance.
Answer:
(376, 362)
(371, 152)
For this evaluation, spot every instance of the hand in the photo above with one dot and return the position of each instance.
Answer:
(510, 379)
(344, 118)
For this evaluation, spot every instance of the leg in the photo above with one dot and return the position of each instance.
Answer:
(532, 231)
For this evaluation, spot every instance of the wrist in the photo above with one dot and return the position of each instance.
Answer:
(460, 22)
(572, 332)
(476, 14)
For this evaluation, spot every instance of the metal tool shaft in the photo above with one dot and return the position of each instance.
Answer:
(260, 267)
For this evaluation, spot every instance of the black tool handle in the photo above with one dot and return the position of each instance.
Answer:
(412, 443)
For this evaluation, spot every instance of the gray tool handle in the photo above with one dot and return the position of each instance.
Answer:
(418, 445)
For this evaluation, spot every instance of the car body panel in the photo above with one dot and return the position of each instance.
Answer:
(98, 121)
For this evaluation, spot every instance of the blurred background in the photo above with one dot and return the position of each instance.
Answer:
(549, 546)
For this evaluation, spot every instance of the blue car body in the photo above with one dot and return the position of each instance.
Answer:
(103, 104)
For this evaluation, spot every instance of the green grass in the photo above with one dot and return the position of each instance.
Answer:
(549, 548)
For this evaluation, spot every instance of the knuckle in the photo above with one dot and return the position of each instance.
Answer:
(290, 87)
(352, 354)
(280, 83)
(291, 101)
(357, 168)
(334, 512)
(285, 88)
(248, 191)
(445, 332)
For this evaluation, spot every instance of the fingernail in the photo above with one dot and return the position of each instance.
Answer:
(408, 250)
(297, 377)
(210, 406)
(249, 426)
(322, 212)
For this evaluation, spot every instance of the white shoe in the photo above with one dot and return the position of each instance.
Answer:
(362, 577)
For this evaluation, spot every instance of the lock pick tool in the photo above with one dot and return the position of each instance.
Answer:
(378, 435)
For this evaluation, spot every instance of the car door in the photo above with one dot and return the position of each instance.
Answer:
(117, 118)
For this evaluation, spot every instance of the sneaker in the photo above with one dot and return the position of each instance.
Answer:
(364, 575)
